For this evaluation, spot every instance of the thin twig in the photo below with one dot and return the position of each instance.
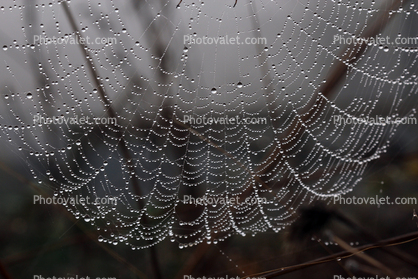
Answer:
(350, 274)
(372, 238)
(363, 256)
(397, 240)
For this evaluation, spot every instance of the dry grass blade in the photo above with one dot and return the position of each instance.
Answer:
(405, 238)
(363, 256)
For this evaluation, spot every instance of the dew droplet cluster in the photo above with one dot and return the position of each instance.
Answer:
(147, 76)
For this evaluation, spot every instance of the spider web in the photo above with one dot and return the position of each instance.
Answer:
(151, 80)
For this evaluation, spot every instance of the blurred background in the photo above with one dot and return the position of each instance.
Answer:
(150, 75)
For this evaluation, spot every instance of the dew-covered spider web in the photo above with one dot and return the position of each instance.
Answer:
(293, 87)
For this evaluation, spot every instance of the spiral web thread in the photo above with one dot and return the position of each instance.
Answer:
(150, 80)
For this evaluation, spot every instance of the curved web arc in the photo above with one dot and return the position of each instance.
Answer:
(152, 80)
